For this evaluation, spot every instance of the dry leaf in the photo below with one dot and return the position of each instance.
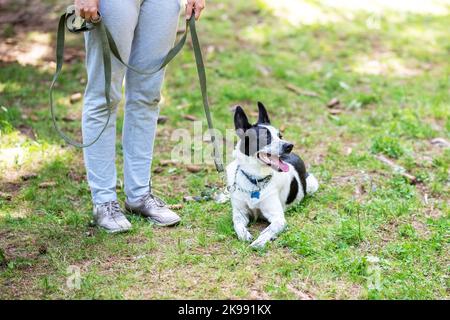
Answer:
(158, 170)
(190, 117)
(333, 103)
(301, 92)
(28, 176)
(162, 119)
(47, 184)
(193, 168)
(177, 206)
(76, 97)
(165, 163)
(335, 111)
(441, 142)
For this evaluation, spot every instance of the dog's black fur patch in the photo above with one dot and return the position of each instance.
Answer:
(253, 137)
(263, 116)
(293, 191)
(299, 166)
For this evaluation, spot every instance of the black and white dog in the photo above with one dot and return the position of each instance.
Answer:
(265, 177)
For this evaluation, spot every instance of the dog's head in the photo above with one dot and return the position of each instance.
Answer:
(261, 140)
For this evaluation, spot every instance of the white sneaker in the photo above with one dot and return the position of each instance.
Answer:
(110, 217)
(154, 209)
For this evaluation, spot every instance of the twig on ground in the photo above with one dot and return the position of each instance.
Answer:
(441, 142)
(301, 92)
(397, 169)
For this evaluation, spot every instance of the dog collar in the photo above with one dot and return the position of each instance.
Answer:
(256, 181)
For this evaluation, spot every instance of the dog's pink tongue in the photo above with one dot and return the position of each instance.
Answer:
(283, 166)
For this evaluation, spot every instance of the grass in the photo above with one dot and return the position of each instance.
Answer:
(392, 83)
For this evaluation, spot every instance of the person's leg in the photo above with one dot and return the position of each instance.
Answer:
(154, 37)
(120, 16)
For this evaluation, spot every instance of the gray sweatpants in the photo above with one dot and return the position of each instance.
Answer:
(144, 31)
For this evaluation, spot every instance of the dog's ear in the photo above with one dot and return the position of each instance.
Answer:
(241, 123)
(263, 117)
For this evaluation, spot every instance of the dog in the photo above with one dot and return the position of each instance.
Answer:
(264, 178)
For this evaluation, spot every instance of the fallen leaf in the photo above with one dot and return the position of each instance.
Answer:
(193, 168)
(301, 92)
(29, 176)
(441, 142)
(335, 111)
(47, 184)
(177, 206)
(162, 119)
(27, 131)
(76, 97)
(190, 117)
(333, 103)
(168, 162)
(158, 170)
(69, 118)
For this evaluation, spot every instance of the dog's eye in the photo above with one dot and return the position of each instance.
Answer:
(280, 135)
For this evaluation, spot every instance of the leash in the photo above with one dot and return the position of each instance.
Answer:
(69, 21)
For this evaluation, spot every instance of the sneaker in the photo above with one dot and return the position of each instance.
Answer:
(110, 217)
(154, 209)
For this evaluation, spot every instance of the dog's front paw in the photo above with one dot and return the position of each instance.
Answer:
(245, 236)
(259, 243)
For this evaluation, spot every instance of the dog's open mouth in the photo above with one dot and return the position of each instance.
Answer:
(274, 161)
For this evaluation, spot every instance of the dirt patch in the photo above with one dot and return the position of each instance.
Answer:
(26, 34)
(10, 187)
(21, 16)
(8, 190)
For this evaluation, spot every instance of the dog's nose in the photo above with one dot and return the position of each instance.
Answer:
(287, 147)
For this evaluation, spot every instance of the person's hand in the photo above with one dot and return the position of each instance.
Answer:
(87, 9)
(194, 6)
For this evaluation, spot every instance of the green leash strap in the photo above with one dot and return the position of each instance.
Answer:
(60, 39)
(172, 53)
(109, 46)
(202, 78)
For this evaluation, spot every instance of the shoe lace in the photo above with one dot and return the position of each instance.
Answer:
(151, 200)
(112, 208)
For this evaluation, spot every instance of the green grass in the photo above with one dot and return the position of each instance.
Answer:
(362, 210)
